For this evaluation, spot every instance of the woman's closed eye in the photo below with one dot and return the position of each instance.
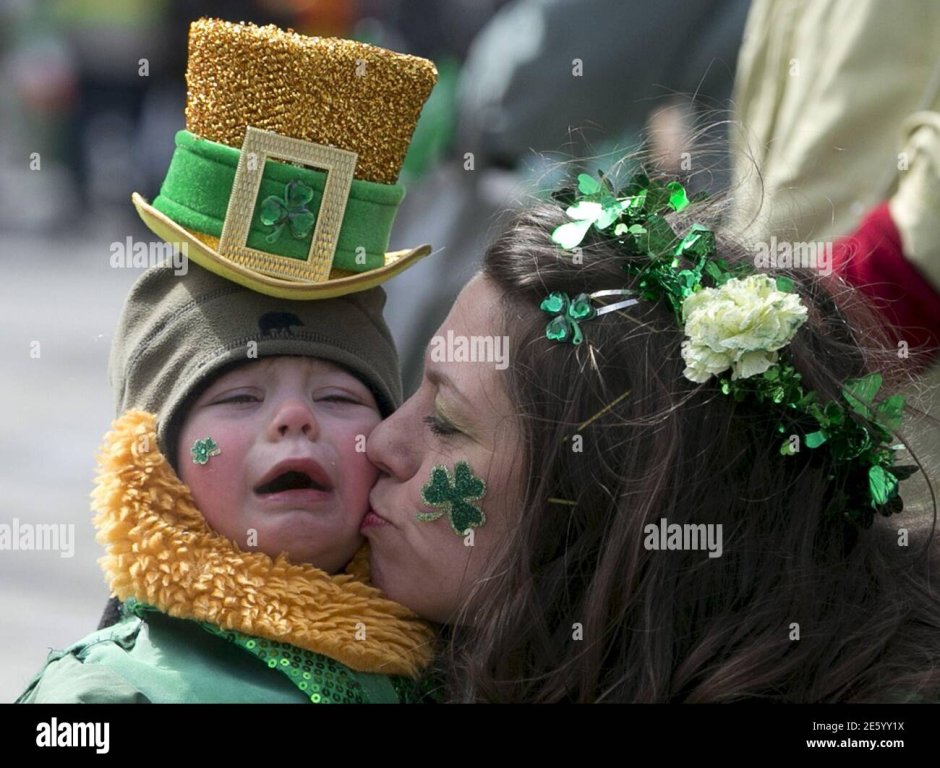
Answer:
(439, 426)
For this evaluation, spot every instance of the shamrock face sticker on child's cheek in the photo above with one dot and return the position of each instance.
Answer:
(204, 449)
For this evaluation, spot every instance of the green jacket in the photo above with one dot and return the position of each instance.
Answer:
(203, 621)
(149, 657)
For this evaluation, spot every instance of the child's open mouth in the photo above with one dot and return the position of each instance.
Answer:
(289, 481)
(295, 480)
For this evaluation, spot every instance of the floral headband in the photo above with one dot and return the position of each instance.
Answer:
(738, 324)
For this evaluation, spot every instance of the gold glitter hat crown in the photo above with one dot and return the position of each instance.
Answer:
(285, 179)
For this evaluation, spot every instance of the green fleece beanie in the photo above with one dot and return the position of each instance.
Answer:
(177, 332)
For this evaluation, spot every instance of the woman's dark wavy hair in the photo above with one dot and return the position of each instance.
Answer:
(575, 608)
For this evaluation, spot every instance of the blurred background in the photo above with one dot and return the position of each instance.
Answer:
(93, 92)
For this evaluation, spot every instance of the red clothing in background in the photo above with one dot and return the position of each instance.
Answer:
(873, 261)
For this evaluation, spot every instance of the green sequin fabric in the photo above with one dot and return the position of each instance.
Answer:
(320, 678)
(323, 680)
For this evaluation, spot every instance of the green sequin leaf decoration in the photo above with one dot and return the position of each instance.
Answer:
(860, 393)
(585, 210)
(677, 197)
(570, 235)
(861, 446)
(890, 411)
(598, 207)
(814, 439)
(699, 241)
(588, 185)
(882, 484)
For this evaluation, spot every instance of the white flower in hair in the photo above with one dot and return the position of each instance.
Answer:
(739, 326)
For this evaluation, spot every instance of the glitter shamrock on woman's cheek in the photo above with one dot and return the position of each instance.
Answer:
(454, 495)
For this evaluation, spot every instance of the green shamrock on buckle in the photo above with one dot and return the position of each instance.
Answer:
(454, 495)
(291, 211)
(568, 314)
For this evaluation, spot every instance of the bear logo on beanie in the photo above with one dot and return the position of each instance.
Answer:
(278, 323)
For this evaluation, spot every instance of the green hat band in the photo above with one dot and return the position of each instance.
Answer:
(196, 191)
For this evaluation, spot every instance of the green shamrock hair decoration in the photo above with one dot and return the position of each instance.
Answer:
(674, 267)
(455, 496)
(203, 449)
(290, 211)
(862, 445)
(568, 313)
(715, 304)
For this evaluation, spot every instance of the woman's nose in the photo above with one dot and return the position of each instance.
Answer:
(391, 448)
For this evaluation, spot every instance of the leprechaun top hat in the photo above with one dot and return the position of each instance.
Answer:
(284, 180)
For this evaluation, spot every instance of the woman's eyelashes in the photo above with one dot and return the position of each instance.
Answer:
(440, 427)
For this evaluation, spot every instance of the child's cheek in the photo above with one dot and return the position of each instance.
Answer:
(362, 472)
(219, 493)
(218, 479)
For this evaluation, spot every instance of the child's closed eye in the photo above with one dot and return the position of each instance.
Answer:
(240, 398)
(339, 398)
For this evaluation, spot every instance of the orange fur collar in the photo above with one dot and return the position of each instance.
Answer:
(161, 551)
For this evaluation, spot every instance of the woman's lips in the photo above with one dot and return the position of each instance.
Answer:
(372, 520)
